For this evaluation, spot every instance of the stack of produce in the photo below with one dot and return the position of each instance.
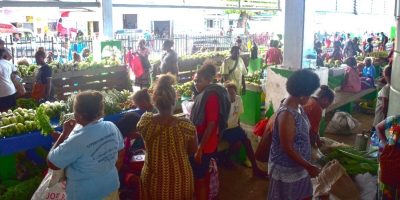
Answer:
(354, 161)
(196, 59)
(29, 70)
(254, 79)
(22, 120)
(16, 122)
(333, 63)
(184, 90)
(112, 101)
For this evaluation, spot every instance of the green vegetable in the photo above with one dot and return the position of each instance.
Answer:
(43, 121)
(23, 190)
(354, 161)
(26, 103)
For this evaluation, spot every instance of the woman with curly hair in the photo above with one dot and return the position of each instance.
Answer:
(290, 168)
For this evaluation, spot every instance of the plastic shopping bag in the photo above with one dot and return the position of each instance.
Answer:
(342, 123)
(52, 187)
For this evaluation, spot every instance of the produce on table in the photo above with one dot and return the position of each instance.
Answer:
(254, 78)
(29, 70)
(198, 57)
(112, 101)
(26, 103)
(185, 89)
(43, 121)
(16, 122)
(354, 161)
(54, 109)
(23, 190)
(379, 54)
(333, 63)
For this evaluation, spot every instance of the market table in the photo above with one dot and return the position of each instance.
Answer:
(344, 98)
(28, 142)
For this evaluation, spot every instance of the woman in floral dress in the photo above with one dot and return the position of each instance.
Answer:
(388, 131)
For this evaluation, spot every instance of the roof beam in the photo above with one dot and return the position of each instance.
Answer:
(184, 6)
(60, 4)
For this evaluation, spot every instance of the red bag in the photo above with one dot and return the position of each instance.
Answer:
(260, 127)
(136, 65)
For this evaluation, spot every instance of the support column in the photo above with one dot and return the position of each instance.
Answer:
(394, 98)
(106, 7)
(294, 33)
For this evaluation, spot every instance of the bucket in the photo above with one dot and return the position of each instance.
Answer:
(361, 142)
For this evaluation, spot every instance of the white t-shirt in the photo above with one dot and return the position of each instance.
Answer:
(383, 93)
(7, 87)
(235, 112)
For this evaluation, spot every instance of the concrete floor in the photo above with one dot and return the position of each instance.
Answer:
(239, 184)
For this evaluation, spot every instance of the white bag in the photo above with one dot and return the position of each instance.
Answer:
(342, 123)
(367, 184)
(52, 187)
(187, 108)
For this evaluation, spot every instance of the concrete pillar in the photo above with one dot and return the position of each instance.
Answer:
(294, 33)
(106, 7)
(394, 97)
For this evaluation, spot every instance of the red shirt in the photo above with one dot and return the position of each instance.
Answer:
(211, 115)
(314, 113)
(274, 56)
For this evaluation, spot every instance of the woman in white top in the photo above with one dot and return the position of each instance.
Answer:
(8, 93)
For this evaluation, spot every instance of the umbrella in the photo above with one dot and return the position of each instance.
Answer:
(7, 28)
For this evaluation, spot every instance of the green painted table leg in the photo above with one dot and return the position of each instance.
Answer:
(8, 167)
(240, 156)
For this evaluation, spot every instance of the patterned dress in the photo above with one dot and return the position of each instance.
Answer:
(390, 192)
(166, 173)
(288, 180)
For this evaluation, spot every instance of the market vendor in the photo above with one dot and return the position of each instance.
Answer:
(86, 55)
(169, 60)
(42, 87)
(233, 69)
(368, 74)
(313, 109)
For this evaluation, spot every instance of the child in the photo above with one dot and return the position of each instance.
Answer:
(382, 102)
(129, 177)
(142, 100)
(234, 134)
(368, 74)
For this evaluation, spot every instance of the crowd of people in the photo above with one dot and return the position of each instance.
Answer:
(340, 46)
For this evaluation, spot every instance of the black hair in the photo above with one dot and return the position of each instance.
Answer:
(164, 95)
(168, 43)
(326, 92)
(351, 61)
(303, 82)
(235, 48)
(369, 40)
(388, 71)
(89, 104)
(141, 96)
(128, 123)
(207, 70)
(40, 54)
